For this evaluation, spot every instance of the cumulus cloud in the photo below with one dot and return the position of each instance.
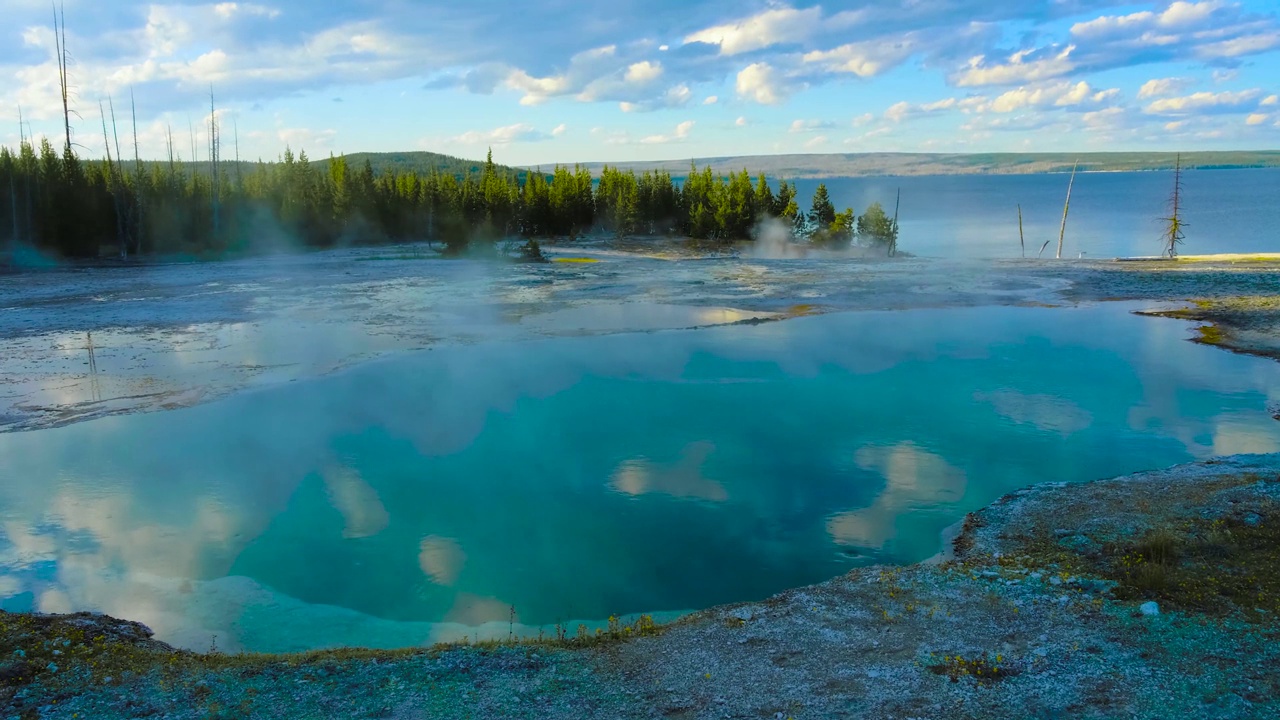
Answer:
(1162, 87)
(901, 111)
(806, 126)
(768, 28)
(518, 133)
(1020, 67)
(1063, 94)
(681, 132)
(1204, 102)
(643, 72)
(763, 84)
(1022, 56)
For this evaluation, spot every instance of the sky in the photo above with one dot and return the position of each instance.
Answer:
(617, 80)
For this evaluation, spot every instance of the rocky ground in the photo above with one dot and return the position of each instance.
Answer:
(1150, 596)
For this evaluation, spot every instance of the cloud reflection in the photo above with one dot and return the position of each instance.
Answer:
(914, 477)
(683, 479)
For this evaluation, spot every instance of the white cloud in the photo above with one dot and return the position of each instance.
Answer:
(681, 132)
(711, 100)
(865, 59)
(805, 126)
(898, 112)
(559, 130)
(763, 84)
(1256, 119)
(863, 119)
(520, 132)
(643, 72)
(1063, 94)
(1162, 87)
(771, 27)
(1270, 101)
(228, 10)
(1017, 69)
(816, 142)
(740, 122)
(1204, 102)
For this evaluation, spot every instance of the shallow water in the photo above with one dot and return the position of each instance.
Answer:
(1112, 214)
(418, 497)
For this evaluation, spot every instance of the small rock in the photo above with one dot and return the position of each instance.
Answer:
(1055, 580)
(53, 668)
(1150, 607)
(873, 673)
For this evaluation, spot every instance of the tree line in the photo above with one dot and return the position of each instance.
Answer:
(78, 208)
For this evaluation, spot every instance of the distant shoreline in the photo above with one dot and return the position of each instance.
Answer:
(827, 166)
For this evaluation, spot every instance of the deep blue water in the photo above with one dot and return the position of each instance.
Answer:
(1112, 214)
(578, 477)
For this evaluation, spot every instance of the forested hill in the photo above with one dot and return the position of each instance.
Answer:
(397, 163)
(420, 163)
(869, 164)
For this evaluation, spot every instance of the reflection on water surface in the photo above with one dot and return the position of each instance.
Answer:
(419, 497)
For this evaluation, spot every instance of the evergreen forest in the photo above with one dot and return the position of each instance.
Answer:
(60, 204)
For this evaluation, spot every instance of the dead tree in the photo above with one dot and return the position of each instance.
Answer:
(60, 45)
(1022, 239)
(1063, 231)
(1173, 224)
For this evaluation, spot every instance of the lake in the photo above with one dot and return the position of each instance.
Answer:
(1112, 214)
(513, 485)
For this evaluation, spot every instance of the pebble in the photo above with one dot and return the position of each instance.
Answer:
(1055, 580)
(1150, 608)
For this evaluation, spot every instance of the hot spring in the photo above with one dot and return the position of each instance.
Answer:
(512, 486)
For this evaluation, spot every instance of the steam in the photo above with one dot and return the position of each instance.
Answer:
(774, 241)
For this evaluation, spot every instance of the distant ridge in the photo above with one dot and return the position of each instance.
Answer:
(806, 166)
(900, 164)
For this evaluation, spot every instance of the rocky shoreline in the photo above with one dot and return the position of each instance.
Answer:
(1155, 595)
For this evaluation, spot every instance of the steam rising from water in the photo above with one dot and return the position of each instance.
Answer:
(775, 241)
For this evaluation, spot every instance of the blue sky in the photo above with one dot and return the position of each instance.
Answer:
(563, 80)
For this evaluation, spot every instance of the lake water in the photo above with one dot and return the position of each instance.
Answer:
(420, 497)
(1112, 214)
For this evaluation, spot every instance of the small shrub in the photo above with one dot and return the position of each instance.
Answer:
(983, 670)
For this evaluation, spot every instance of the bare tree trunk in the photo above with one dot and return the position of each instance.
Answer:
(1174, 232)
(1022, 239)
(60, 45)
(113, 188)
(122, 222)
(213, 160)
(893, 240)
(137, 179)
(1063, 231)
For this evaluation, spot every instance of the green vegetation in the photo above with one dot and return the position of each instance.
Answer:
(1217, 567)
(982, 669)
(74, 208)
